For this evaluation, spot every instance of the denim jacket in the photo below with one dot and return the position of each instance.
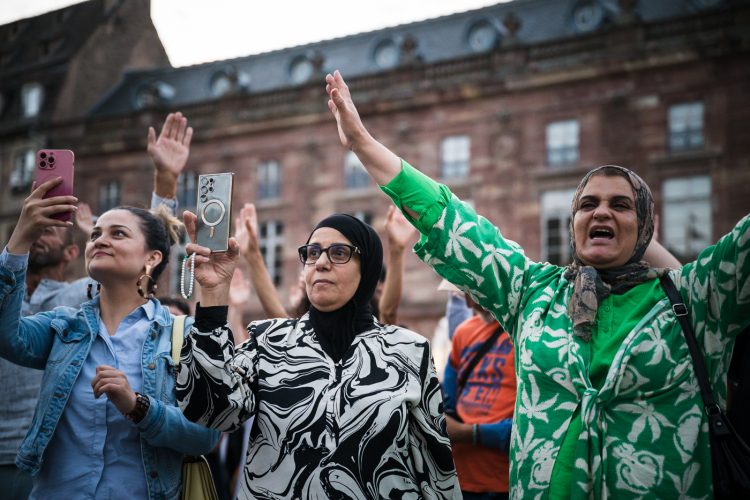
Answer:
(58, 342)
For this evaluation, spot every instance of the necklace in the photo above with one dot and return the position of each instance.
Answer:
(192, 276)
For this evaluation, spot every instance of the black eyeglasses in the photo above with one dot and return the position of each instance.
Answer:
(338, 253)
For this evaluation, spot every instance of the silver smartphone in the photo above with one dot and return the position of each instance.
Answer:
(214, 211)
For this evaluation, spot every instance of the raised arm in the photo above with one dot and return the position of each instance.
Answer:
(36, 216)
(213, 270)
(382, 164)
(400, 233)
(27, 341)
(169, 153)
(246, 233)
(656, 254)
(239, 293)
(84, 219)
(214, 380)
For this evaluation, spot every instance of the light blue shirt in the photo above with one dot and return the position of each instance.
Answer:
(96, 451)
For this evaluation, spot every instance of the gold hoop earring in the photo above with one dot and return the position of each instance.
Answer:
(150, 287)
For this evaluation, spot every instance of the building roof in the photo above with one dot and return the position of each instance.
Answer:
(456, 36)
(39, 49)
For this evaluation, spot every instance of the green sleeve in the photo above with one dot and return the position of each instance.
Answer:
(716, 284)
(414, 190)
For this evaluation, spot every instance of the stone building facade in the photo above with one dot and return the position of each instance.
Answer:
(509, 105)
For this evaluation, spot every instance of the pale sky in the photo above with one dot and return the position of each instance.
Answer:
(196, 31)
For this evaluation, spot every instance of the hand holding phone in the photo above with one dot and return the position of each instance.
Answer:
(214, 211)
(53, 163)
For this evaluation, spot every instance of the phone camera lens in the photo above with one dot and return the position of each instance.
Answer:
(43, 155)
(204, 181)
(204, 190)
(51, 160)
(43, 164)
(210, 189)
(211, 180)
(204, 198)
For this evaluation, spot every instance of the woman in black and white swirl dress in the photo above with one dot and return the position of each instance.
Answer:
(344, 407)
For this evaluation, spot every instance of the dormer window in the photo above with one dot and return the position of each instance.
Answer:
(228, 80)
(386, 54)
(153, 94)
(588, 15)
(301, 69)
(482, 36)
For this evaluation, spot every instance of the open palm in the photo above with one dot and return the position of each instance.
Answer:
(246, 230)
(400, 231)
(343, 109)
(171, 149)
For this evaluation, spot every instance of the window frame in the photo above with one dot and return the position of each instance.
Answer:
(269, 180)
(274, 260)
(680, 207)
(355, 175)
(22, 174)
(684, 115)
(560, 149)
(187, 195)
(455, 156)
(106, 201)
(27, 91)
(555, 204)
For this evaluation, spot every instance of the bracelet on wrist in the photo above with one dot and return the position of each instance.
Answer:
(142, 404)
(475, 434)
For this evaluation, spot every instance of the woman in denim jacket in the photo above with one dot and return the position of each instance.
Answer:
(130, 442)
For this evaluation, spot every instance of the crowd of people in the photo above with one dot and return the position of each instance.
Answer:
(561, 381)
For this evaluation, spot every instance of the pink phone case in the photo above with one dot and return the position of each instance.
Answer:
(52, 163)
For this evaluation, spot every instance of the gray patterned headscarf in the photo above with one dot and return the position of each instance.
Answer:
(592, 285)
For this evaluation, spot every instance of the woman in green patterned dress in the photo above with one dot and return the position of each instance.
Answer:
(608, 403)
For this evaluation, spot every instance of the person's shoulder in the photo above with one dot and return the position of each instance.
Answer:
(272, 325)
(469, 325)
(74, 293)
(401, 335)
(66, 312)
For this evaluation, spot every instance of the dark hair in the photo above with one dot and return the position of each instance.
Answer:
(74, 236)
(160, 229)
(177, 302)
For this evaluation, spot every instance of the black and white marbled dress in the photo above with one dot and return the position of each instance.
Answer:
(370, 426)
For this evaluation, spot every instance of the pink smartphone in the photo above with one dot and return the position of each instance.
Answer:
(52, 163)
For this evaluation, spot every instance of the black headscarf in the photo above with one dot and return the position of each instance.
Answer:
(336, 329)
(592, 285)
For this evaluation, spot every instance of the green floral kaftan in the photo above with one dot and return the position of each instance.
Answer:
(643, 433)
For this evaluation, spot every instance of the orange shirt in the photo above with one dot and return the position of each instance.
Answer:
(488, 397)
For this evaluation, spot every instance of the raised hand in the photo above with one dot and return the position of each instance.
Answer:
(114, 384)
(350, 127)
(169, 153)
(36, 216)
(239, 289)
(84, 218)
(171, 150)
(379, 161)
(246, 230)
(213, 271)
(246, 233)
(399, 230)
